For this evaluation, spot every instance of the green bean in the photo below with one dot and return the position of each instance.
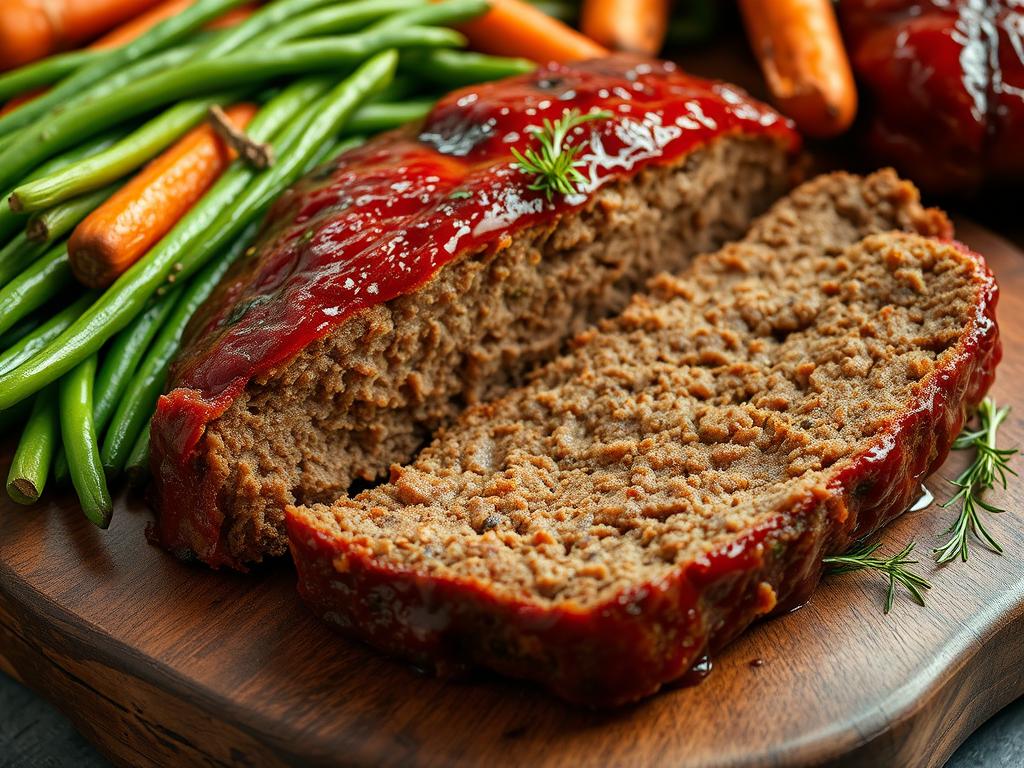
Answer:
(435, 14)
(19, 332)
(332, 20)
(376, 117)
(455, 69)
(76, 122)
(10, 221)
(79, 435)
(53, 223)
(139, 398)
(129, 294)
(120, 361)
(42, 281)
(282, 109)
(267, 17)
(143, 68)
(17, 256)
(24, 348)
(106, 65)
(117, 161)
(45, 72)
(123, 357)
(31, 464)
(137, 467)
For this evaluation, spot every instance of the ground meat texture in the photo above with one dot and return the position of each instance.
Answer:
(423, 272)
(682, 470)
(373, 391)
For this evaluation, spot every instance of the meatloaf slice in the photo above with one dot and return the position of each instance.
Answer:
(421, 273)
(685, 467)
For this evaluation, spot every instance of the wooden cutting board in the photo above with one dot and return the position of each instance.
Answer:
(161, 663)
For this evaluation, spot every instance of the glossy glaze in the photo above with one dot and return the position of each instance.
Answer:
(382, 220)
(652, 635)
(946, 86)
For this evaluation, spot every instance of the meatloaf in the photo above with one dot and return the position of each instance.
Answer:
(681, 470)
(421, 273)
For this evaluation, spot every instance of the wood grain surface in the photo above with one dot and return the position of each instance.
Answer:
(160, 663)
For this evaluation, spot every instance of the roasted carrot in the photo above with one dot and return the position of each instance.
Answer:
(804, 62)
(515, 28)
(116, 234)
(30, 29)
(637, 26)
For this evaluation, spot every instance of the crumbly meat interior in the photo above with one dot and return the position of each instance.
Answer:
(684, 421)
(373, 392)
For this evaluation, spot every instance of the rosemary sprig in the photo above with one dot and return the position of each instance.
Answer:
(861, 556)
(990, 466)
(554, 164)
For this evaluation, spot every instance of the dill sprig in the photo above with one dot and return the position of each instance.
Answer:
(989, 467)
(553, 163)
(861, 557)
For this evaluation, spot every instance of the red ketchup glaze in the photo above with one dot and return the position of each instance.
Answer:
(946, 78)
(382, 219)
(652, 635)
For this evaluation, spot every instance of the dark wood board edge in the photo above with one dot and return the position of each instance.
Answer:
(131, 709)
(137, 715)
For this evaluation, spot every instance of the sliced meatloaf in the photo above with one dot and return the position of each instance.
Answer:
(684, 468)
(421, 273)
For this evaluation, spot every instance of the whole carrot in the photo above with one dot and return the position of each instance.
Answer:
(637, 26)
(804, 62)
(515, 28)
(116, 234)
(30, 29)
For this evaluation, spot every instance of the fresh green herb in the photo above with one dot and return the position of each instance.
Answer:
(555, 165)
(990, 466)
(862, 556)
(460, 194)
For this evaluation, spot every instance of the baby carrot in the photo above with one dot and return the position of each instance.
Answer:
(116, 234)
(637, 26)
(515, 28)
(804, 62)
(30, 30)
